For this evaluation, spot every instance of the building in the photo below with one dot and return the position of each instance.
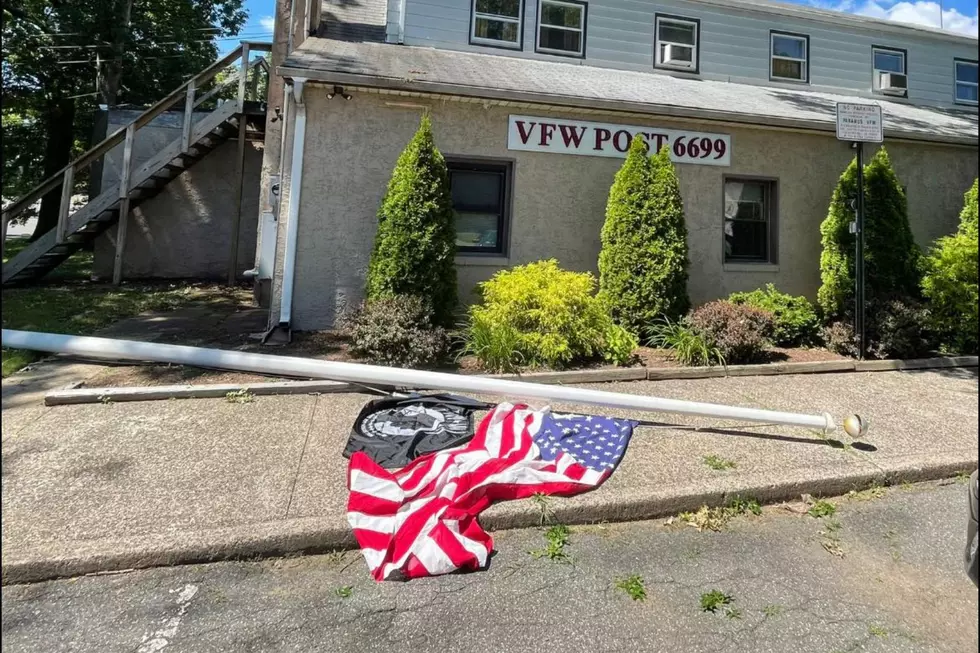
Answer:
(534, 103)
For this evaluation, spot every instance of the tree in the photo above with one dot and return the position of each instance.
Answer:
(950, 282)
(415, 245)
(890, 253)
(643, 260)
(61, 57)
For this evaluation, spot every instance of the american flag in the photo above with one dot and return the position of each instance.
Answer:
(421, 520)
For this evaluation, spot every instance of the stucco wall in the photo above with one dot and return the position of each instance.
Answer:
(185, 231)
(559, 200)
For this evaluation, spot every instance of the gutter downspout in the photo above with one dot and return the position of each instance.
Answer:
(292, 213)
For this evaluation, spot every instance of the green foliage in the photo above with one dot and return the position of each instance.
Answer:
(795, 320)
(396, 331)
(541, 315)
(891, 255)
(687, 345)
(718, 463)
(416, 240)
(740, 332)
(345, 592)
(840, 338)
(643, 261)
(822, 508)
(620, 345)
(714, 600)
(899, 328)
(556, 539)
(950, 282)
(633, 586)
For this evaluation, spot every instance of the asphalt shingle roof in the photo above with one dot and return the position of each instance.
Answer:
(421, 69)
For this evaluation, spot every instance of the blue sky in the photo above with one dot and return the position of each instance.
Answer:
(957, 15)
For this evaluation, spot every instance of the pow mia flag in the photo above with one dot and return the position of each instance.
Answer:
(395, 431)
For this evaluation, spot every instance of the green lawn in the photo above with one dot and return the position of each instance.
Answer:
(75, 306)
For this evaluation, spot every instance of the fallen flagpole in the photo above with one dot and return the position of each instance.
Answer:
(107, 348)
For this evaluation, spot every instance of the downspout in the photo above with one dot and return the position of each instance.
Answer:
(292, 213)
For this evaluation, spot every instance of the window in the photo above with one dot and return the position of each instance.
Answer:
(676, 42)
(789, 56)
(497, 22)
(749, 220)
(890, 74)
(966, 81)
(480, 195)
(561, 27)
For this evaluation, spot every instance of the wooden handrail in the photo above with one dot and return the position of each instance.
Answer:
(117, 136)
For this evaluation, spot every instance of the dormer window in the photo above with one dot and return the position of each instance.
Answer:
(497, 23)
(676, 43)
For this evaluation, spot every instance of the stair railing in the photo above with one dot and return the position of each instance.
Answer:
(239, 57)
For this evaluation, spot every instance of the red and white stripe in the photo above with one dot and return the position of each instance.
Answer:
(420, 520)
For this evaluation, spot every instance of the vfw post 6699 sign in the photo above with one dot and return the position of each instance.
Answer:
(536, 134)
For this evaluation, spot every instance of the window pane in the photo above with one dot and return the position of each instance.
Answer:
(966, 72)
(510, 8)
(561, 15)
(747, 241)
(786, 46)
(891, 62)
(966, 93)
(676, 33)
(477, 230)
(476, 191)
(677, 53)
(787, 68)
(496, 30)
(560, 39)
(746, 221)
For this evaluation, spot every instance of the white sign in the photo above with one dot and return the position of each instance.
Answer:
(535, 134)
(859, 122)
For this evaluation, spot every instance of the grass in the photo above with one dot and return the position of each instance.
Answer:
(718, 463)
(556, 539)
(344, 592)
(872, 493)
(633, 586)
(242, 396)
(715, 600)
(715, 519)
(821, 508)
(772, 610)
(543, 505)
(689, 347)
(877, 631)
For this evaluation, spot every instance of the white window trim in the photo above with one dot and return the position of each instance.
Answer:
(581, 29)
(804, 68)
(876, 82)
(519, 20)
(657, 43)
(957, 83)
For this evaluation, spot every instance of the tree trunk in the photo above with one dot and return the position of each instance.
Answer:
(59, 123)
(110, 73)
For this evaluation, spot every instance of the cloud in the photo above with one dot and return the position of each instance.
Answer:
(916, 13)
(268, 23)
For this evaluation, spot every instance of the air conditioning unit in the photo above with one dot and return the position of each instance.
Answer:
(676, 55)
(893, 83)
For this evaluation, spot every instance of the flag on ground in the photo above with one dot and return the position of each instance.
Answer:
(421, 520)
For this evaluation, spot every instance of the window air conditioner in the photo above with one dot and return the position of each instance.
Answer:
(893, 83)
(677, 55)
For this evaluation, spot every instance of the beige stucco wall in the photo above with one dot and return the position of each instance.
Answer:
(559, 200)
(185, 230)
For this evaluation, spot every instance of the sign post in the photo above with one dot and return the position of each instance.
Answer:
(859, 124)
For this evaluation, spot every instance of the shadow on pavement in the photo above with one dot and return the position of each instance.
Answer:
(825, 442)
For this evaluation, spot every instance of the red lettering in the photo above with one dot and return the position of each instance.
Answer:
(547, 131)
(601, 136)
(524, 134)
(617, 142)
(569, 134)
(661, 139)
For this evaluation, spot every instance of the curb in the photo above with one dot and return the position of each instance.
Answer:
(314, 535)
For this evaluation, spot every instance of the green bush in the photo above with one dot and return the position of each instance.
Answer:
(899, 328)
(795, 321)
(741, 333)
(950, 282)
(891, 255)
(687, 345)
(643, 261)
(396, 331)
(540, 315)
(841, 339)
(415, 245)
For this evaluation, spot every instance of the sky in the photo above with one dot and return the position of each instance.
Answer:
(957, 15)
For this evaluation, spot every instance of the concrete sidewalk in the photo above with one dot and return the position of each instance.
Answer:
(102, 487)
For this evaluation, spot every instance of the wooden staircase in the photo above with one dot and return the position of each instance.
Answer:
(230, 118)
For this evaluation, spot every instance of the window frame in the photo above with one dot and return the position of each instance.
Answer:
(771, 201)
(875, 72)
(491, 43)
(584, 29)
(696, 55)
(487, 164)
(773, 33)
(957, 82)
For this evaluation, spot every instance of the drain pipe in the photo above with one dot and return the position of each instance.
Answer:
(292, 213)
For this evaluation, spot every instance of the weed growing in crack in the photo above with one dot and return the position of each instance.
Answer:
(718, 463)
(715, 600)
(633, 586)
(772, 610)
(546, 513)
(556, 539)
(877, 631)
(715, 519)
(821, 508)
(344, 592)
(242, 396)
(872, 493)
(733, 613)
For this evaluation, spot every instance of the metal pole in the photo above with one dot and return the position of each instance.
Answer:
(859, 326)
(107, 348)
